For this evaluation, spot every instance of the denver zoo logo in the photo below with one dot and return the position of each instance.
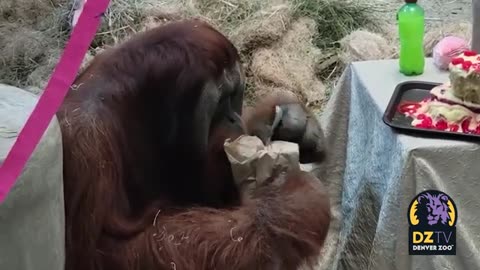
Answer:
(432, 216)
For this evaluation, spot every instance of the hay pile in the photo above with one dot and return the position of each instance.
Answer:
(286, 45)
(289, 65)
(365, 45)
(264, 28)
(435, 34)
(299, 46)
(32, 34)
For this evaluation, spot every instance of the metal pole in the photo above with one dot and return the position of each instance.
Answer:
(476, 25)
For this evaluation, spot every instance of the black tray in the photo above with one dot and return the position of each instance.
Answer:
(416, 91)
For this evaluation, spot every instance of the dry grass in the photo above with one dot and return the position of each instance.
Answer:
(362, 45)
(435, 34)
(289, 65)
(335, 20)
(259, 28)
(365, 45)
(32, 34)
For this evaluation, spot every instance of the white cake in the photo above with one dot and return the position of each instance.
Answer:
(465, 77)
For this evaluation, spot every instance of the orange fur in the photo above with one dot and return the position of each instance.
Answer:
(148, 186)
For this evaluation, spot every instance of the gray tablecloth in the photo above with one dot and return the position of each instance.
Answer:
(374, 173)
(32, 216)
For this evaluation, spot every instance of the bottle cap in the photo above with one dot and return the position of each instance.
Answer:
(411, 1)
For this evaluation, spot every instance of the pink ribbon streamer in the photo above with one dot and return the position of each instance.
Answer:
(49, 102)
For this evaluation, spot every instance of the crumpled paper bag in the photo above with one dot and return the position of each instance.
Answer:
(253, 162)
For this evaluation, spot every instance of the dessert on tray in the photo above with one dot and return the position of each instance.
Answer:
(454, 105)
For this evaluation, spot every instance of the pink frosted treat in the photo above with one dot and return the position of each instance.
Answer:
(447, 49)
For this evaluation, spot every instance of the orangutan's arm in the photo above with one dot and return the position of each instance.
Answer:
(277, 229)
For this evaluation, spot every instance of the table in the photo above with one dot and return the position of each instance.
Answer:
(32, 224)
(373, 173)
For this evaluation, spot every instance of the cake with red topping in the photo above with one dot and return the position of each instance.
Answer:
(465, 77)
(455, 105)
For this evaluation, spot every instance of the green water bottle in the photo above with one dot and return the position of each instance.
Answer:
(411, 27)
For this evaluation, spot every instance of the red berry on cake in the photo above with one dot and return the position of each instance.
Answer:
(441, 124)
(476, 67)
(427, 122)
(465, 125)
(470, 53)
(421, 116)
(466, 65)
(408, 107)
(456, 61)
(477, 130)
(454, 128)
